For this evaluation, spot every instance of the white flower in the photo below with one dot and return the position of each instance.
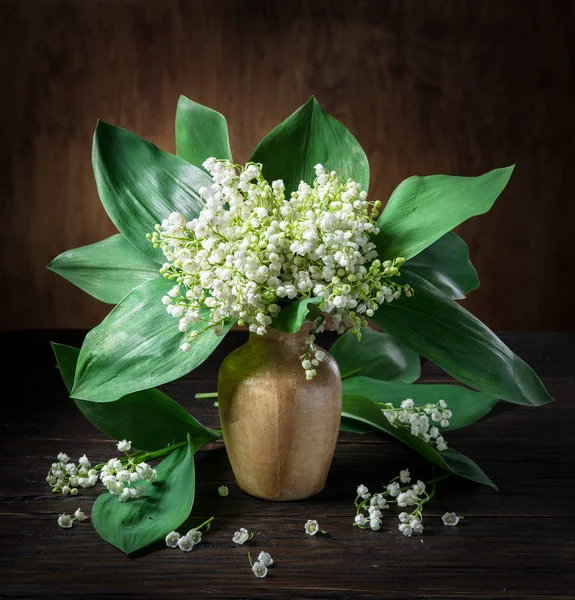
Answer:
(418, 487)
(195, 536)
(124, 446)
(404, 517)
(405, 529)
(265, 559)
(311, 527)
(360, 520)
(185, 544)
(378, 501)
(172, 539)
(450, 519)
(65, 521)
(259, 569)
(363, 492)
(404, 476)
(241, 536)
(393, 489)
(252, 246)
(84, 462)
(63, 458)
(223, 490)
(185, 347)
(407, 403)
(80, 516)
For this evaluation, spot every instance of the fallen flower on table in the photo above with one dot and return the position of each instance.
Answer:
(66, 521)
(242, 536)
(260, 567)
(223, 491)
(312, 528)
(414, 495)
(451, 519)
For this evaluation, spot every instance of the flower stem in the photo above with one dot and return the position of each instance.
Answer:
(206, 395)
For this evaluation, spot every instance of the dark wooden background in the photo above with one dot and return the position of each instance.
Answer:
(452, 86)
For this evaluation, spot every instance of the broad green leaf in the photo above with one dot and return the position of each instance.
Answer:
(436, 327)
(364, 411)
(137, 346)
(200, 133)
(292, 316)
(466, 405)
(447, 266)
(107, 270)
(140, 185)
(308, 137)
(163, 506)
(376, 355)
(422, 209)
(149, 419)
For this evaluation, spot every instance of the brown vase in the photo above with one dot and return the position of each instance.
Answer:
(280, 430)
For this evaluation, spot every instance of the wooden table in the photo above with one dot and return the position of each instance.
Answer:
(518, 543)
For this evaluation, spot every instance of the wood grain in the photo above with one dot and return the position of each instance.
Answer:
(440, 86)
(518, 543)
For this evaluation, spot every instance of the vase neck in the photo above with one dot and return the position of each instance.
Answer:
(282, 341)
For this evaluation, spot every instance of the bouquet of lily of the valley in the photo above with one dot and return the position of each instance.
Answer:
(292, 237)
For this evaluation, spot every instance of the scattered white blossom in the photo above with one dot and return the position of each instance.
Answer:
(172, 539)
(242, 536)
(185, 544)
(124, 446)
(404, 476)
(418, 420)
(312, 527)
(259, 569)
(65, 521)
(223, 490)
(195, 536)
(265, 559)
(450, 519)
(251, 250)
(79, 515)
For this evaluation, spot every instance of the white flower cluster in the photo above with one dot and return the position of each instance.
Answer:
(187, 542)
(260, 567)
(251, 250)
(66, 521)
(416, 419)
(118, 477)
(396, 494)
(66, 477)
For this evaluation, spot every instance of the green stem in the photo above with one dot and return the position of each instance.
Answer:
(250, 559)
(205, 524)
(206, 395)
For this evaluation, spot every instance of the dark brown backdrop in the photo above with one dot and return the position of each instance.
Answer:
(434, 86)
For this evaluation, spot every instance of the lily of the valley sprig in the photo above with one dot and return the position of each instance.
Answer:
(292, 237)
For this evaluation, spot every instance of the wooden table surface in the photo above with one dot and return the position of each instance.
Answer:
(515, 543)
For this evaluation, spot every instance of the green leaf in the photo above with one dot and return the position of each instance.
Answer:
(107, 270)
(447, 266)
(466, 405)
(308, 137)
(422, 209)
(137, 346)
(163, 506)
(376, 355)
(200, 133)
(140, 185)
(149, 419)
(436, 327)
(292, 316)
(364, 411)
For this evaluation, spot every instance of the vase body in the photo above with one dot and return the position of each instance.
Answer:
(280, 430)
